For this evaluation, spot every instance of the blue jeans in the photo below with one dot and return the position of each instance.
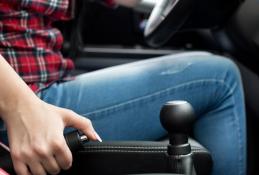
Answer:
(124, 102)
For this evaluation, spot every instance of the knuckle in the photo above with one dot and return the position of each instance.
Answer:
(70, 112)
(16, 154)
(26, 153)
(57, 145)
(40, 150)
(87, 122)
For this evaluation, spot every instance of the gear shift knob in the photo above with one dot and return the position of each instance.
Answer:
(177, 117)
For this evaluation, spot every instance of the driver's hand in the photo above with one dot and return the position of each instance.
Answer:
(36, 138)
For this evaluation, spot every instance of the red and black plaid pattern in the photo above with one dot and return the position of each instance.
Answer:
(56, 9)
(29, 42)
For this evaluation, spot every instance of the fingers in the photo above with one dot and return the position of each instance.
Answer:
(83, 124)
(20, 167)
(46, 151)
(62, 154)
(40, 159)
(44, 154)
(36, 168)
(51, 165)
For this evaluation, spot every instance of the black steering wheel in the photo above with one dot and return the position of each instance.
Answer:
(167, 17)
(170, 16)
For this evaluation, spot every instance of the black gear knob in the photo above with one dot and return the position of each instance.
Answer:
(177, 117)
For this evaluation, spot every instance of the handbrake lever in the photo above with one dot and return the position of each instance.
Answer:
(75, 141)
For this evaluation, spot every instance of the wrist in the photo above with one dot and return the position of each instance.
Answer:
(12, 106)
(15, 95)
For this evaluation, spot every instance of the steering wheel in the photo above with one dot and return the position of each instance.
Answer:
(170, 16)
(167, 17)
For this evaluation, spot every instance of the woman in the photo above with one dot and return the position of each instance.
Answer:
(123, 102)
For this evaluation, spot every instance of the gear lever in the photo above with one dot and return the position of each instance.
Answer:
(177, 117)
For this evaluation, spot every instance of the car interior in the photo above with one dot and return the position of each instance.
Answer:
(99, 37)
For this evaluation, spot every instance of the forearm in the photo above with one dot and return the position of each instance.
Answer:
(14, 92)
(35, 128)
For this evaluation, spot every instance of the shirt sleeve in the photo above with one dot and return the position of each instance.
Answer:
(58, 9)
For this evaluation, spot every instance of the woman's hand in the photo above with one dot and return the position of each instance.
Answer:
(35, 133)
(35, 128)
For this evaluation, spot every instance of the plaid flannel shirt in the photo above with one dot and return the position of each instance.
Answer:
(29, 42)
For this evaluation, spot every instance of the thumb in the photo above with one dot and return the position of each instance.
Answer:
(81, 123)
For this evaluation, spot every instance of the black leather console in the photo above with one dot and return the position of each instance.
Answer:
(178, 155)
(134, 158)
